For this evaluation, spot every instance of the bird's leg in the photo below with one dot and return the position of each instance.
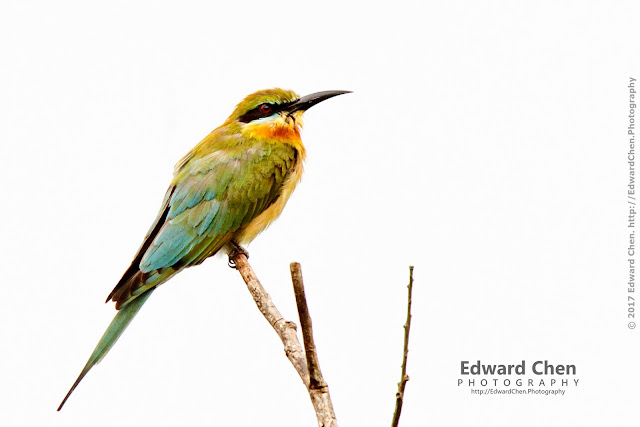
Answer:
(233, 249)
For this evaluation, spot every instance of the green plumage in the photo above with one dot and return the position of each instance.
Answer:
(228, 187)
(211, 197)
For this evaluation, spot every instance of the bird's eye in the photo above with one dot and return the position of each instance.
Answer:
(265, 108)
(261, 111)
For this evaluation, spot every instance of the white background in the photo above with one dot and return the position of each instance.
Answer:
(485, 143)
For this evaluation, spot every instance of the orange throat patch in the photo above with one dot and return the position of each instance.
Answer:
(282, 131)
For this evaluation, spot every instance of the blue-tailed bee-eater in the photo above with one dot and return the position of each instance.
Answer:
(224, 192)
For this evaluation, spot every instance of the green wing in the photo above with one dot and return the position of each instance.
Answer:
(211, 197)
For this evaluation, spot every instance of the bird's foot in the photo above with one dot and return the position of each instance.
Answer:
(234, 249)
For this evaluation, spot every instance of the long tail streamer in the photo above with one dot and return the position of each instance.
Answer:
(119, 323)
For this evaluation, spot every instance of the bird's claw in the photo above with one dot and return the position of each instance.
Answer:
(235, 249)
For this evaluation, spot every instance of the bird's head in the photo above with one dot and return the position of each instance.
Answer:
(275, 113)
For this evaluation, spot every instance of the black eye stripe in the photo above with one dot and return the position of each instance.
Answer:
(256, 113)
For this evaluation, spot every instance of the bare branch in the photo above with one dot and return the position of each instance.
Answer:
(318, 388)
(286, 330)
(404, 377)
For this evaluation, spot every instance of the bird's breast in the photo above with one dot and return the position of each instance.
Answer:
(262, 221)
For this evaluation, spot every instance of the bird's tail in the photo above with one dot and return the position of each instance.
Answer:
(111, 335)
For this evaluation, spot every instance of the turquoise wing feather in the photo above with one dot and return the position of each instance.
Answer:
(209, 199)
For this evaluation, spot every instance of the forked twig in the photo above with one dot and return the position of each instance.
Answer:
(315, 384)
(286, 330)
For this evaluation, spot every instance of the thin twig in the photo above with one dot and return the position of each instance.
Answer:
(286, 330)
(404, 377)
(318, 388)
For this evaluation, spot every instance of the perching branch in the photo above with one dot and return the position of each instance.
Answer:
(286, 330)
(318, 391)
(404, 377)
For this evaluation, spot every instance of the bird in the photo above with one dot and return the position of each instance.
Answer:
(224, 192)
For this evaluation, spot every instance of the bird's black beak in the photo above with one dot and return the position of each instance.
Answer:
(309, 101)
